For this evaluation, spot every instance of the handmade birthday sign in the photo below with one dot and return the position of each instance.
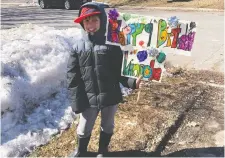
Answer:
(144, 39)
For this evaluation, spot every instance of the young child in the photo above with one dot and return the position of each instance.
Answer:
(94, 74)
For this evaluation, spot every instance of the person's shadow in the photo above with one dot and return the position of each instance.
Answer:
(128, 153)
(171, 1)
(194, 152)
(199, 152)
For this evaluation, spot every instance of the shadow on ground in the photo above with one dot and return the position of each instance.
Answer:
(195, 152)
(199, 152)
(128, 153)
(170, 1)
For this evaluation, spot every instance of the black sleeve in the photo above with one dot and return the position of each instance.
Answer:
(125, 81)
(76, 88)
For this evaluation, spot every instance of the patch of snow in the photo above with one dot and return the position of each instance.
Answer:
(33, 87)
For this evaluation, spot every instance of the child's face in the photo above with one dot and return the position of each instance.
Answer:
(91, 24)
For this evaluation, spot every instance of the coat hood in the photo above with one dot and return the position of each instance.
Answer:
(99, 36)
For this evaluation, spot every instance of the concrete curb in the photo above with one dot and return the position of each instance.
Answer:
(172, 8)
(16, 3)
(20, 4)
(12, 3)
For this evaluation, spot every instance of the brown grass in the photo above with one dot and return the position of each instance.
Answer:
(213, 4)
(139, 126)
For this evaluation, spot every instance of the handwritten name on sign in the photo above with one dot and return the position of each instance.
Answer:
(136, 63)
(145, 31)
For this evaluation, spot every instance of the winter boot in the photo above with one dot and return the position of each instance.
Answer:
(81, 150)
(103, 144)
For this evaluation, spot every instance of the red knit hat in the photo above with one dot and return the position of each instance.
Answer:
(85, 12)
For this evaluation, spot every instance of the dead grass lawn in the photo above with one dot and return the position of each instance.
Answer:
(213, 4)
(139, 126)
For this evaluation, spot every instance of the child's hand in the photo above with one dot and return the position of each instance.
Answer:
(139, 83)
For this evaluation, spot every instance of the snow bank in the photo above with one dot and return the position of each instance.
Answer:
(33, 64)
(33, 74)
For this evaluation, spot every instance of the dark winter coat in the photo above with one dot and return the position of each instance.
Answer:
(94, 71)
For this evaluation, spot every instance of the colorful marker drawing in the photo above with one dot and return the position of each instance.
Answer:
(144, 39)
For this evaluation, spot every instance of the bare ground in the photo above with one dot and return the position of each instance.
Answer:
(170, 116)
(213, 4)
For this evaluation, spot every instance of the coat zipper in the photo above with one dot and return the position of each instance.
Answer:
(95, 77)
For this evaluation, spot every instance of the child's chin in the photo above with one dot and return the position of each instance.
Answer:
(91, 33)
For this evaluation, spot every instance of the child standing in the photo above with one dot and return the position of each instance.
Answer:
(94, 74)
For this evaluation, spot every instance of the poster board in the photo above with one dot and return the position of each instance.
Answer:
(145, 41)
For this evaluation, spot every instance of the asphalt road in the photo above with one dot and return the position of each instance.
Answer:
(207, 54)
(14, 16)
